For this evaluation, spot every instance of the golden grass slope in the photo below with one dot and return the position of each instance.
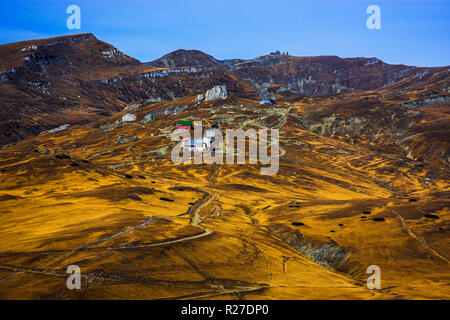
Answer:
(228, 231)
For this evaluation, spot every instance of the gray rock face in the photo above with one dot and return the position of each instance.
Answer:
(149, 117)
(424, 102)
(325, 252)
(60, 128)
(217, 92)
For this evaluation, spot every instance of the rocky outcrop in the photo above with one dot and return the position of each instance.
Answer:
(60, 128)
(217, 92)
(325, 251)
(149, 117)
(121, 139)
(200, 97)
(424, 102)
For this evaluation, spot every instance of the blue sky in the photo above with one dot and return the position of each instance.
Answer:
(413, 32)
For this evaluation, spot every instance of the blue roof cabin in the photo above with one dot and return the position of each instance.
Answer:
(267, 101)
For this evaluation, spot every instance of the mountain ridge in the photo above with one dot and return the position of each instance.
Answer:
(75, 79)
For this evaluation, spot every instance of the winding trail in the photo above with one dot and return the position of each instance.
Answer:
(422, 241)
(193, 211)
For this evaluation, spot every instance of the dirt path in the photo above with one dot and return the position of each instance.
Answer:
(422, 241)
(195, 221)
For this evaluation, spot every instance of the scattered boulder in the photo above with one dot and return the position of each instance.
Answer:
(431, 216)
(412, 200)
(332, 231)
(378, 219)
(166, 199)
(133, 106)
(297, 223)
(142, 177)
(128, 176)
(110, 126)
(152, 100)
(217, 92)
(367, 212)
(148, 118)
(121, 139)
(340, 225)
(200, 97)
(128, 117)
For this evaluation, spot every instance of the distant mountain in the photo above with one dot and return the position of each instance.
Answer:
(277, 75)
(186, 58)
(77, 78)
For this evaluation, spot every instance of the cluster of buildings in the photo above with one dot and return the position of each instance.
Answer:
(200, 145)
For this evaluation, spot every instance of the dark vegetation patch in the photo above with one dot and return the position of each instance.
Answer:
(378, 219)
(142, 177)
(294, 206)
(296, 223)
(431, 216)
(128, 176)
(332, 231)
(341, 225)
(412, 200)
(178, 189)
(5, 197)
(363, 217)
(266, 207)
(62, 156)
(366, 212)
(74, 164)
(113, 192)
(85, 161)
(166, 199)
(135, 197)
(241, 187)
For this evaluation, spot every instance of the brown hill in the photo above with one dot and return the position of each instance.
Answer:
(74, 79)
(186, 58)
